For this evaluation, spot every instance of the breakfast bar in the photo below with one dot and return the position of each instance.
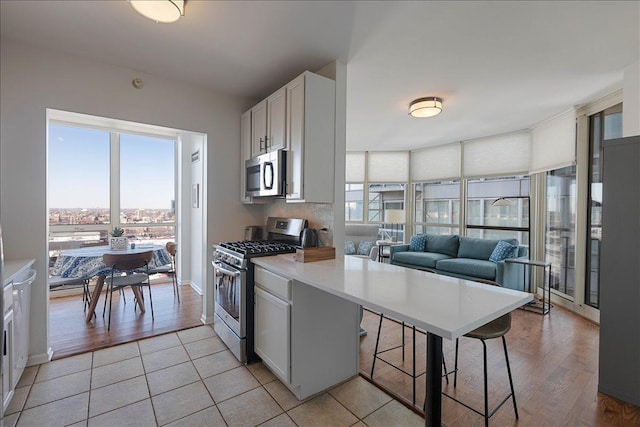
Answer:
(445, 307)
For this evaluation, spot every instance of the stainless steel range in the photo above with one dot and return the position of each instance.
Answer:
(234, 281)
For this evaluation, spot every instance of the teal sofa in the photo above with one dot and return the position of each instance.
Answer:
(464, 257)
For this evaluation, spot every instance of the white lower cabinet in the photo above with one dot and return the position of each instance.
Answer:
(7, 361)
(307, 337)
(21, 314)
(272, 332)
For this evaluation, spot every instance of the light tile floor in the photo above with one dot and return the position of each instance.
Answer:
(188, 378)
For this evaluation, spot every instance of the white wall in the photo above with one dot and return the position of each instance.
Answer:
(32, 80)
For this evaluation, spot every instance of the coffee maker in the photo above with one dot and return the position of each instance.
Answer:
(254, 232)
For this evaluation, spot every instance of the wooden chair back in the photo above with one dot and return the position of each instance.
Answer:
(127, 262)
(172, 247)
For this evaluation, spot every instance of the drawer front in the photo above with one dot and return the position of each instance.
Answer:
(273, 283)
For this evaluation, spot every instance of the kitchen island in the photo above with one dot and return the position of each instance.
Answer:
(445, 307)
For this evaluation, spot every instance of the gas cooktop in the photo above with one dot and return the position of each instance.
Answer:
(250, 249)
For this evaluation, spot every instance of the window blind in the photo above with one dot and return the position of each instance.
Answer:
(436, 163)
(553, 143)
(354, 166)
(497, 155)
(388, 166)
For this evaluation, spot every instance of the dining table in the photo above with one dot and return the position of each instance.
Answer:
(86, 263)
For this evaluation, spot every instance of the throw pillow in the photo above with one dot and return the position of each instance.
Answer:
(349, 248)
(443, 244)
(503, 250)
(364, 247)
(417, 243)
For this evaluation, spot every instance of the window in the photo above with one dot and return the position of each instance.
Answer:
(78, 176)
(560, 237)
(498, 208)
(606, 124)
(386, 207)
(353, 202)
(437, 208)
(147, 188)
(85, 202)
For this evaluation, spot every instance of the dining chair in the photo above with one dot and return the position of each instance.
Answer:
(126, 271)
(497, 328)
(169, 269)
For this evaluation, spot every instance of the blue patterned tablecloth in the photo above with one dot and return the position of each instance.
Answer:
(87, 262)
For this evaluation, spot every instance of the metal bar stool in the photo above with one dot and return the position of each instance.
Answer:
(412, 373)
(494, 329)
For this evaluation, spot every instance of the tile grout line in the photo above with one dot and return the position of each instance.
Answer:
(204, 385)
(146, 380)
(28, 394)
(199, 376)
(90, 383)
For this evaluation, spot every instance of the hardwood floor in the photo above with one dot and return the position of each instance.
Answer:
(69, 334)
(554, 362)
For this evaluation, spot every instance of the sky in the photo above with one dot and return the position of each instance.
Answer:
(79, 171)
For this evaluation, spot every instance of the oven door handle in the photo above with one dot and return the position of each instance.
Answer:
(219, 267)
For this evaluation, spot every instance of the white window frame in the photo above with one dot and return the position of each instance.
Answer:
(116, 129)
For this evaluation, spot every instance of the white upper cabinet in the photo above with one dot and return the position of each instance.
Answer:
(245, 153)
(258, 128)
(276, 120)
(310, 139)
(300, 118)
(268, 124)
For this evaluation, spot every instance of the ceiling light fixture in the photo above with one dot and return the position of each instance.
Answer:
(164, 11)
(425, 107)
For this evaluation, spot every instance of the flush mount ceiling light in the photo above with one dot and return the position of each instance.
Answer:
(425, 107)
(164, 11)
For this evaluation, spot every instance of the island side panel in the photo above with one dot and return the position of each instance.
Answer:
(324, 340)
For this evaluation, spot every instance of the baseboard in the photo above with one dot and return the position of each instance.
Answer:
(195, 288)
(64, 292)
(632, 399)
(207, 320)
(39, 359)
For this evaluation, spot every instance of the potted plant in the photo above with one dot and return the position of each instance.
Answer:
(117, 241)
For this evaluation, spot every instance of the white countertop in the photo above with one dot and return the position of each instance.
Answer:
(446, 306)
(13, 268)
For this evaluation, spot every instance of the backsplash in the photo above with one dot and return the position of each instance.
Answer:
(319, 215)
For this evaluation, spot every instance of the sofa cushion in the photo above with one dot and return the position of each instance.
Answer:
(418, 242)
(419, 259)
(349, 248)
(364, 247)
(471, 247)
(503, 250)
(445, 244)
(469, 267)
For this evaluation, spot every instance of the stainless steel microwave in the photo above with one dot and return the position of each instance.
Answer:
(266, 174)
